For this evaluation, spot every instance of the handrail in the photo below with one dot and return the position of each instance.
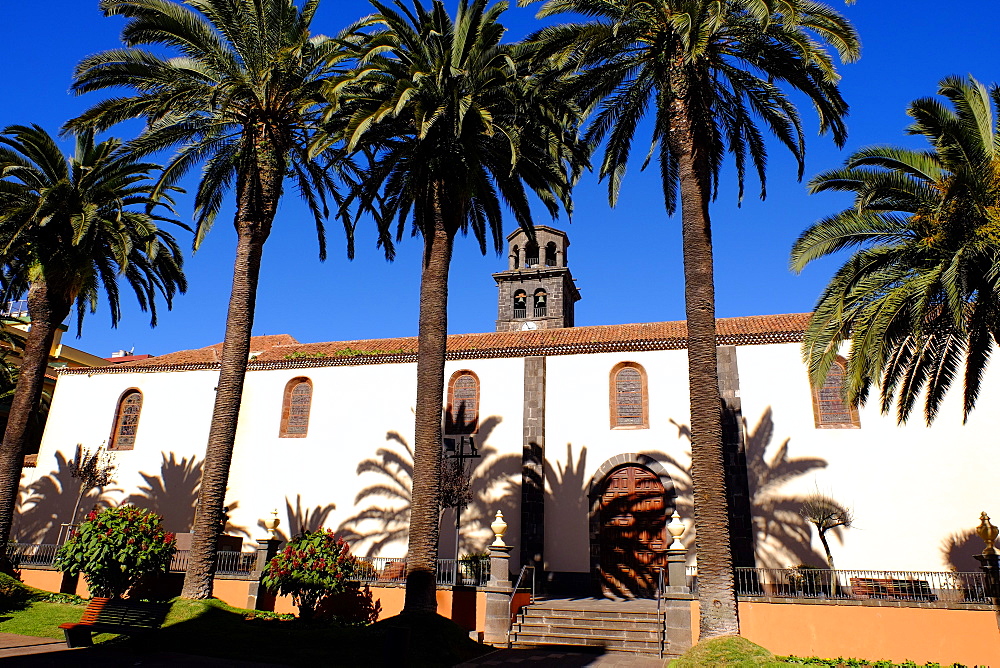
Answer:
(513, 593)
(661, 621)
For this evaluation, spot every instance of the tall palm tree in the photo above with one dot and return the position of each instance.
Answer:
(711, 73)
(241, 98)
(920, 295)
(455, 122)
(71, 229)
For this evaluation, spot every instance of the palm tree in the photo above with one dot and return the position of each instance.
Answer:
(69, 230)
(920, 296)
(241, 99)
(455, 122)
(712, 72)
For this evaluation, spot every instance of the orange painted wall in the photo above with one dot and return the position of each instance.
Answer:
(922, 635)
(233, 592)
(44, 580)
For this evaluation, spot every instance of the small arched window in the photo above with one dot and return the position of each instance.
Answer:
(550, 254)
(462, 416)
(126, 421)
(629, 398)
(541, 303)
(515, 258)
(520, 304)
(829, 407)
(295, 409)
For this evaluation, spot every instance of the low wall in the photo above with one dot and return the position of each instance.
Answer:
(465, 606)
(896, 633)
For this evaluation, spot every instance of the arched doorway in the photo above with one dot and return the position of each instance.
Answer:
(631, 539)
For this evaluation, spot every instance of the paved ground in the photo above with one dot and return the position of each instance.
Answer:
(559, 656)
(32, 652)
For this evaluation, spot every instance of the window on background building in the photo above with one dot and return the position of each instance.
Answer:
(126, 421)
(550, 254)
(295, 408)
(829, 407)
(629, 400)
(462, 416)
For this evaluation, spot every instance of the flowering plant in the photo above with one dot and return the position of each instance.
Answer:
(117, 548)
(311, 568)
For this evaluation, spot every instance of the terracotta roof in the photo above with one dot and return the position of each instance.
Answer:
(283, 351)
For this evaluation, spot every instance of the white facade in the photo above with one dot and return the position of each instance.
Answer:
(911, 488)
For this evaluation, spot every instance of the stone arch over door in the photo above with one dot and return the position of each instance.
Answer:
(631, 499)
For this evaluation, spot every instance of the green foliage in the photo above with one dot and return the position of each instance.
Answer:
(861, 663)
(725, 651)
(298, 354)
(919, 297)
(14, 595)
(116, 549)
(311, 568)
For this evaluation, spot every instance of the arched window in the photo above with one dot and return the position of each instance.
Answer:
(520, 304)
(829, 407)
(462, 416)
(515, 258)
(295, 409)
(541, 305)
(550, 254)
(629, 399)
(126, 421)
(530, 254)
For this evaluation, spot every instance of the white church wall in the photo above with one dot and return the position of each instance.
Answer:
(579, 438)
(911, 487)
(356, 411)
(176, 412)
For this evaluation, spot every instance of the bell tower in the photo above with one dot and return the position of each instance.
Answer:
(537, 291)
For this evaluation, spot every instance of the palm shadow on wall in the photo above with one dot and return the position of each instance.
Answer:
(959, 551)
(298, 520)
(782, 537)
(384, 520)
(173, 494)
(46, 504)
(629, 567)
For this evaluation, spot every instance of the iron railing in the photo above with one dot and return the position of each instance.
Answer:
(31, 554)
(513, 594)
(472, 572)
(520, 313)
(856, 584)
(540, 311)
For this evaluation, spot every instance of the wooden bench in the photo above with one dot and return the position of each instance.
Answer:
(107, 615)
(906, 590)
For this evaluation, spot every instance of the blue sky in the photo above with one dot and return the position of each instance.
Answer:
(626, 260)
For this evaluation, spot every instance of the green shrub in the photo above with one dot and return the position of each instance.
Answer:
(14, 594)
(311, 568)
(116, 549)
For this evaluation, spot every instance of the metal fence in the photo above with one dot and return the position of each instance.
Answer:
(30, 554)
(852, 584)
(472, 572)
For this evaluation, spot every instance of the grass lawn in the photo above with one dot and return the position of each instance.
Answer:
(212, 628)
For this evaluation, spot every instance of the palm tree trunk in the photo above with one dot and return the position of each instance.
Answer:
(46, 312)
(716, 591)
(421, 581)
(257, 194)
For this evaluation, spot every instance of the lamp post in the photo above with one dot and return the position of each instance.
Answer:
(459, 449)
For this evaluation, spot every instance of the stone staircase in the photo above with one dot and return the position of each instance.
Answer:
(615, 625)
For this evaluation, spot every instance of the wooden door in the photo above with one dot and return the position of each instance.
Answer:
(632, 540)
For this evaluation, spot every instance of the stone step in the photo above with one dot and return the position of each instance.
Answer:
(600, 632)
(569, 613)
(609, 644)
(637, 624)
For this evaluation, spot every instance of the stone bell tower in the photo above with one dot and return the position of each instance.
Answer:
(537, 290)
